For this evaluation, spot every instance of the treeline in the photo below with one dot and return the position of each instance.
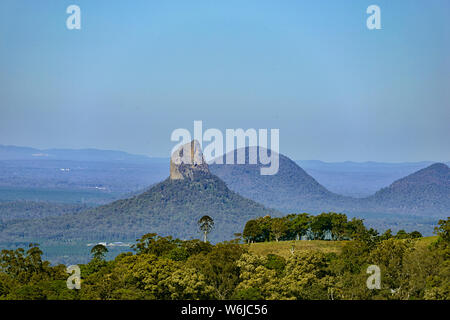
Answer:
(325, 226)
(167, 268)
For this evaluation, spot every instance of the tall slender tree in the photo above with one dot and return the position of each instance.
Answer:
(206, 224)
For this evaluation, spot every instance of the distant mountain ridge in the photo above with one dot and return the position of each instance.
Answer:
(119, 171)
(293, 189)
(27, 153)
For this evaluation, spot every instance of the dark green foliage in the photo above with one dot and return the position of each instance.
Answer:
(298, 226)
(321, 225)
(24, 275)
(387, 235)
(178, 254)
(402, 234)
(325, 226)
(415, 235)
(248, 294)
(167, 268)
(443, 230)
(99, 251)
(275, 262)
(220, 268)
(196, 246)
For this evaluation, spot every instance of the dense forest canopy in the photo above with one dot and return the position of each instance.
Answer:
(168, 268)
(325, 226)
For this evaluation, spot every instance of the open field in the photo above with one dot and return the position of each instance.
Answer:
(283, 248)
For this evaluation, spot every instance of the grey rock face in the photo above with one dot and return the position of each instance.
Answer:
(187, 162)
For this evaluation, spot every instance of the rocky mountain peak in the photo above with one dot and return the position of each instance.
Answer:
(187, 162)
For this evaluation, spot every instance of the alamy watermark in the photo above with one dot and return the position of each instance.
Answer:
(74, 20)
(373, 22)
(214, 152)
(374, 280)
(74, 280)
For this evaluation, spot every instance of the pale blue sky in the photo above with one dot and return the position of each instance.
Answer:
(137, 70)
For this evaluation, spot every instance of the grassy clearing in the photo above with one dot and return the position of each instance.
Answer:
(426, 241)
(283, 248)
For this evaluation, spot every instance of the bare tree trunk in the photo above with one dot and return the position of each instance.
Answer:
(204, 237)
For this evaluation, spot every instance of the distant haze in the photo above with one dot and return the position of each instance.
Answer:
(137, 70)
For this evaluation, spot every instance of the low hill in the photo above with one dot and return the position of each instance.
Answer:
(359, 179)
(289, 190)
(427, 190)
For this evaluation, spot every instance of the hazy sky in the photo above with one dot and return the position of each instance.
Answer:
(137, 70)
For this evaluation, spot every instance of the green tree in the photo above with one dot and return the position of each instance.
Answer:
(357, 231)
(219, 268)
(257, 281)
(252, 231)
(386, 235)
(390, 255)
(195, 246)
(275, 262)
(188, 284)
(99, 251)
(151, 243)
(278, 228)
(443, 230)
(338, 226)
(306, 276)
(298, 225)
(321, 225)
(25, 276)
(206, 224)
(415, 235)
(402, 234)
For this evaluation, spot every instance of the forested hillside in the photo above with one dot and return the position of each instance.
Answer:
(171, 207)
(165, 268)
(291, 189)
(421, 191)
